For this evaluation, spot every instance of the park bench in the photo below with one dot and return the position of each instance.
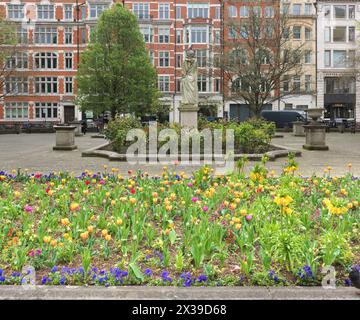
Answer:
(10, 128)
(42, 127)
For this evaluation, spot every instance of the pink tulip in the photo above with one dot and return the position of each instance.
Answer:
(248, 217)
(194, 199)
(205, 208)
(28, 208)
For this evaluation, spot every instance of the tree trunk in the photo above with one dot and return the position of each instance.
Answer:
(113, 113)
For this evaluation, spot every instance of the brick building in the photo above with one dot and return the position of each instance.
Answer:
(53, 32)
(43, 86)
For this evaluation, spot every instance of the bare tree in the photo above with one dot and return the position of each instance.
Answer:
(260, 61)
(8, 49)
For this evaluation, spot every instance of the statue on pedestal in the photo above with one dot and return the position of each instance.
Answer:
(189, 91)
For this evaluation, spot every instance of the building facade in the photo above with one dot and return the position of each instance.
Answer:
(42, 86)
(169, 28)
(337, 41)
(302, 23)
(52, 34)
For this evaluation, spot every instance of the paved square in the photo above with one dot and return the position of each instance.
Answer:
(34, 152)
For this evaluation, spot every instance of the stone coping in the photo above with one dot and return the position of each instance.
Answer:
(64, 128)
(114, 156)
(175, 293)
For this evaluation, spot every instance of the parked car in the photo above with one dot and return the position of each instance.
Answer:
(284, 118)
(146, 119)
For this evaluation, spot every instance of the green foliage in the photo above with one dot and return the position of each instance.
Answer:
(8, 42)
(117, 130)
(115, 72)
(252, 136)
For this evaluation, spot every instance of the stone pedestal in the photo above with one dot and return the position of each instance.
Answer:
(78, 131)
(189, 115)
(65, 138)
(298, 129)
(315, 137)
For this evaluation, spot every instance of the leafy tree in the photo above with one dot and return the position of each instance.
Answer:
(259, 59)
(115, 72)
(8, 46)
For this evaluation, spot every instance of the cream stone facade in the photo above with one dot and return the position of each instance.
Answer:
(338, 43)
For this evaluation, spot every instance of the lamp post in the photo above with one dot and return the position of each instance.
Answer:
(77, 6)
(316, 53)
(222, 40)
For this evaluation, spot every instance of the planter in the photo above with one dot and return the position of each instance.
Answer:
(65, 138)
(315, 113)
(298, 129)
(315, 137)
(105, 151)
(78, 131)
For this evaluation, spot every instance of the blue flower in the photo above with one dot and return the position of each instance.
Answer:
(165, 276)
(2, 279)
(1, 272)
(347, 282)
(44, 280)
(54, 269)
(62, 281)
(148, 273)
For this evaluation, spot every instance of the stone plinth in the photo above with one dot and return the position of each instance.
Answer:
(315, 137)
(78, 131)
(298, 129)
(189, 115)
(65, 138)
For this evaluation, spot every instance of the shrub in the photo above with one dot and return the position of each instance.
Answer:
(252, 136)
(117, 130)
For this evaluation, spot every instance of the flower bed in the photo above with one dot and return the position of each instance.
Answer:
(107, 229)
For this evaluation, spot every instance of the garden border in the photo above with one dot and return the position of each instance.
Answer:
(114, 156)
(174, 293)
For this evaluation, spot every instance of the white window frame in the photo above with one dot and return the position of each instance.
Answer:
(164, 59)
(96, 9)
(15, 11)
(18, 61)
(164, 35)
(45, 60)
(164, 11)
(68, 85)
(48, 34)
(43, 108)
(68, 56)
(198, 10)
(68, 8)
(68, 32)
(164, 83)
(148, 33)
(232, 11)
(46, 12)
(11, 110)
(47, 85)
(16, 85)
(141, 10)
